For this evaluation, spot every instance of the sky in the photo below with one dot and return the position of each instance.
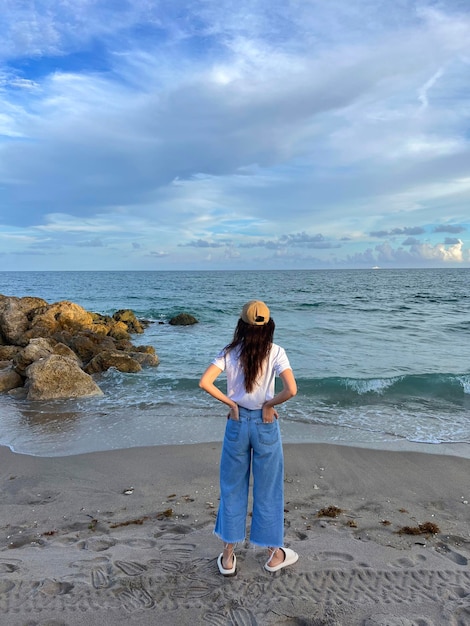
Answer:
(234, 134)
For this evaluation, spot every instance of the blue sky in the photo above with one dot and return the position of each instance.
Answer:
(218, 134)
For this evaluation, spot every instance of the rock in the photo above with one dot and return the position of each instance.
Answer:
(128, 317)
(183, 319)
(61, 316)
(59, 376)
(7, 353)
(86, 344)
(146, 349)
(102, 320)
(124, 345)
(9, 379)
(121, 361)
(119, 331)
(145, 359)
(63, 350)
(15, 315)
(145, 355)
(36, 349)
(19, 393)
(40, 348)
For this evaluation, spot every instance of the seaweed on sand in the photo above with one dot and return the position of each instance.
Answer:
(329, 511)
(426, 528)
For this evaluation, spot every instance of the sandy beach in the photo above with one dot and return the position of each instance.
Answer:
(125, 537)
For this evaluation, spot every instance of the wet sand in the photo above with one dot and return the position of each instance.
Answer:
(125, 537)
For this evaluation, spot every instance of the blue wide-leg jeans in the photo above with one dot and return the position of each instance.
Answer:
(250, 445)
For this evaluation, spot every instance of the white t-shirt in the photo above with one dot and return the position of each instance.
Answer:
(276, 363)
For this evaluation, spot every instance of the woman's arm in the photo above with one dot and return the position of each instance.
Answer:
(289, 390)
(207, 383)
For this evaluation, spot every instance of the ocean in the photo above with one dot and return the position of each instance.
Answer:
(381, 357)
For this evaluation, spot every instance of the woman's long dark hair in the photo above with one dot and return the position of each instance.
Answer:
(254, 343)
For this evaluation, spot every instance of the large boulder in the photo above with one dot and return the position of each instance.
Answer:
(61, 316)
(146, 359)
(119, 332)
(107, 359)
(183, 319)
(36, 349)
(130, 320)
(15, 316)
(40, 348)
(9, 379)
(86, 344)
(102, 324)
(59, 376)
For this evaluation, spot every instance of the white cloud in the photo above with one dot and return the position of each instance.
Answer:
(450, 254)
(420, 254)
(231, 118)
(423, 91)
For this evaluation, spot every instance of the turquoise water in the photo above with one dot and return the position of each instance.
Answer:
(380, 356)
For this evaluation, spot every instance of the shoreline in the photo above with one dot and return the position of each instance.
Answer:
(451, 449)
(159, 430)
(126, 535)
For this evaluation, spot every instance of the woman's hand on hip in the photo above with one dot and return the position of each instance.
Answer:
(233, 414)
(269, 414)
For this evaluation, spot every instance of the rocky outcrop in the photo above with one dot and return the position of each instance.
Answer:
(39, 340)
(59, 377)
(183, 319)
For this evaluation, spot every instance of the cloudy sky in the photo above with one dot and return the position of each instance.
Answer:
(218, 134)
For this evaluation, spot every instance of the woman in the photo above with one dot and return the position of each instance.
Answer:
(252, 439)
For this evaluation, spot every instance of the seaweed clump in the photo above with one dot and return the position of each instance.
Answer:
(329, 511)
(427, 528)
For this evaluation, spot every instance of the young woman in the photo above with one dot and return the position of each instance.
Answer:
(252, 441)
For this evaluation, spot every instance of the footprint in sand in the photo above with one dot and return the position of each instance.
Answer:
(452, 555)
(192, 591)
(131, 568)
(10, 566)
(176, 550)
(98, 569)
(196, 569)
(139, 543)
(407, 562)
(55, 588)
(342, 557)
(236, 617)
(135, 598)
(100, 578)
(172, 531)
(97, 544)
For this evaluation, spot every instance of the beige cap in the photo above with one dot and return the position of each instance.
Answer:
(255, 313)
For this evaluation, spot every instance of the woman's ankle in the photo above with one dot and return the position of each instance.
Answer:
(276, 556)
(227, 555)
